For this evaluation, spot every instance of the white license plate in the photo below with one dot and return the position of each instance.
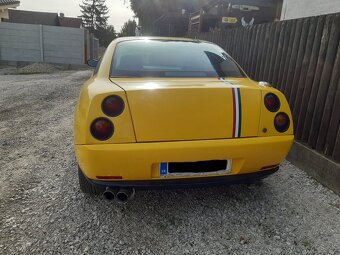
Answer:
(165, 170)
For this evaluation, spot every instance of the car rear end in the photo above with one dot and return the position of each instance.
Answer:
(167, 121)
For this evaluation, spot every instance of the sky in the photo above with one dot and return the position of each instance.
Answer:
(119, 13)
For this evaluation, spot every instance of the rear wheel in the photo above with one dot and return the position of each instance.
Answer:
(86, 186)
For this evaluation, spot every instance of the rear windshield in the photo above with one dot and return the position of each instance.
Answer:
(160, 58)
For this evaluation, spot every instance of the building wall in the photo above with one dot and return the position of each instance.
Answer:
(4, 13)
(38, 43)
(293, 9)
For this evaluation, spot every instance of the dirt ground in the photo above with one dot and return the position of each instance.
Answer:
(43, 211)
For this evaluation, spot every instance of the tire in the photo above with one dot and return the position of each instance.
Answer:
(87, 187)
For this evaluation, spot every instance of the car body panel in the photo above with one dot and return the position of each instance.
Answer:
(182, 109)
(140, 161)
(165, 183)
(89, 108)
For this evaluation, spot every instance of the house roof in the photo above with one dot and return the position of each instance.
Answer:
(31, 17)
(70, 22)
(8, 2)
(263, 3)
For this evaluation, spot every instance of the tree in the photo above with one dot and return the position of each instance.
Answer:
(106, 35)
(149, 10)
(94, 14)
(128, 28)
(94, 17)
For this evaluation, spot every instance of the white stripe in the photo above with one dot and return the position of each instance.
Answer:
(228, 83)
(237, 111)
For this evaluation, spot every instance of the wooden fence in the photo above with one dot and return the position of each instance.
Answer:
(302, 59)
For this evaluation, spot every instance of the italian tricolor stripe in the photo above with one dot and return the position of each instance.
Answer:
(237, 110)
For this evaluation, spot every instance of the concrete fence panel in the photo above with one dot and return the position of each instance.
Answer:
(37, 43)
(63, 45)
(20, 42)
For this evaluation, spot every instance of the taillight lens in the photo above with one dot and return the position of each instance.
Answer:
(281, 122)
(102, 129)
(272, 102)
(113, 106)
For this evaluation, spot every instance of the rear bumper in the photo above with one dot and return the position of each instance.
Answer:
(140, 161)
(187, 182)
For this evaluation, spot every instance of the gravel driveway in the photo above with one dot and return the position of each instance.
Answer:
(43, 211)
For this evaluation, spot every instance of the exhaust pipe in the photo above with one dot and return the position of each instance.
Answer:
(109, 194)
(125, 194)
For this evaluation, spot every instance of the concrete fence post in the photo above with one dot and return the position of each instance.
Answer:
(42, 43)
(84, 46)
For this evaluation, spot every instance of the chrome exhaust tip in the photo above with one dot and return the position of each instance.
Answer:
(109, 194)
(124, 195)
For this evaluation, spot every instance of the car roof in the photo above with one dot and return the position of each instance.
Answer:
(137, 38)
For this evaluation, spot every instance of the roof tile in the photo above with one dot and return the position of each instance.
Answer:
(9, 2)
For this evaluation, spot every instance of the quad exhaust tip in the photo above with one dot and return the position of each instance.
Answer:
(122, 196)
(109, 194)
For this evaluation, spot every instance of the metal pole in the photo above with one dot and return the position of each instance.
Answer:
(41, 43)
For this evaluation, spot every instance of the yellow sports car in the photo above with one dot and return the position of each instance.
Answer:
(173, 112)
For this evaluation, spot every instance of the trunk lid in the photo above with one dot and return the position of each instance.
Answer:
(192, 109)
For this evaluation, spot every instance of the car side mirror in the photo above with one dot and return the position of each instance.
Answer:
(92, 62)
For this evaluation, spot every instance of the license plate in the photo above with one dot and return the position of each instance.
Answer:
(200, 168)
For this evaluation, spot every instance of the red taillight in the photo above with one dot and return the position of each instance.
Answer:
(102, 129)
(281, 122)
(113, 106)
(272, 102)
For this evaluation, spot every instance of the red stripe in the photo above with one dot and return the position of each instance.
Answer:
(234, 112)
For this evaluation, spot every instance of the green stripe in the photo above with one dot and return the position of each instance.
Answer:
(239, 112)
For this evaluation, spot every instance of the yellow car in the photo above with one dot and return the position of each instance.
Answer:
(173, 112)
